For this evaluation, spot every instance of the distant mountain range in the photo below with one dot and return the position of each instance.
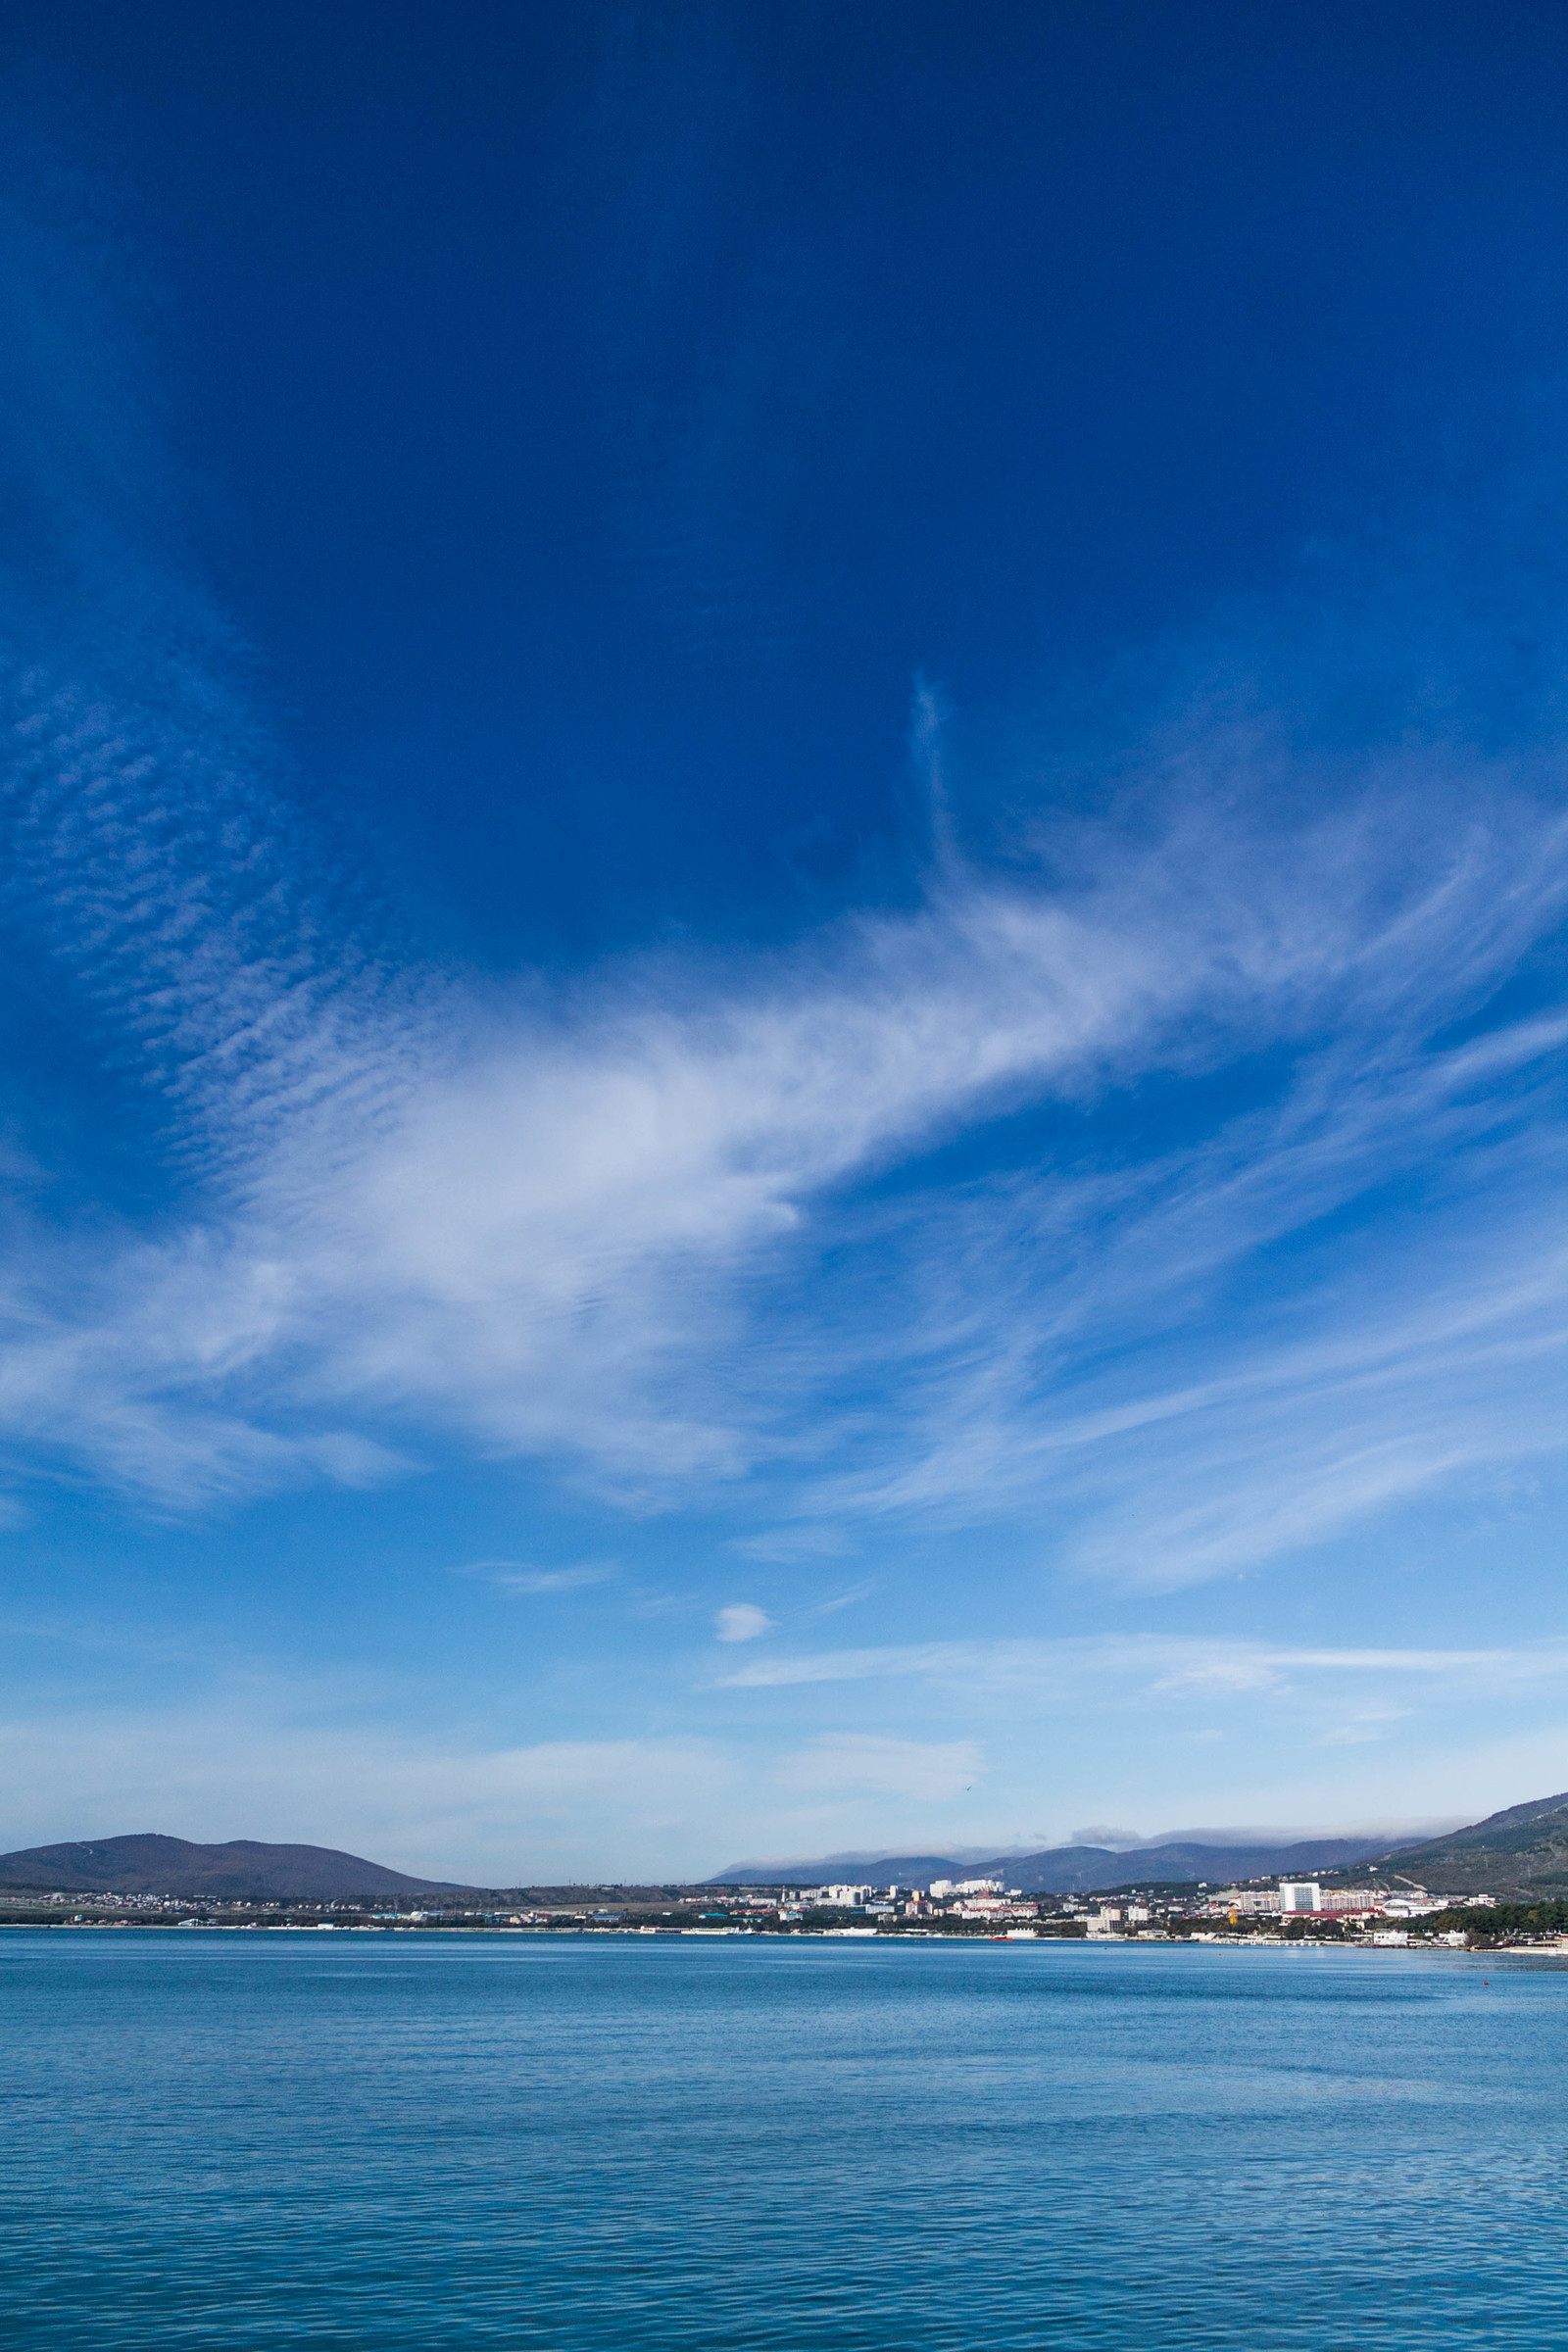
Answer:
(1521, 1851)
(1076, 1869)
(243, 1869)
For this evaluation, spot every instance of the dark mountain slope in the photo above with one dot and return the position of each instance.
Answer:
(1521, 1851)
(241, 1870)
(1075, 1869)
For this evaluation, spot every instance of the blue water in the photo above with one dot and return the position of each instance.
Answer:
(438, 2142)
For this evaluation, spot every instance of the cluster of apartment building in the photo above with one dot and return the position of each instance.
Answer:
(1305, 1898)
(1385, 1911)
(958, 1898)
(988, 1901)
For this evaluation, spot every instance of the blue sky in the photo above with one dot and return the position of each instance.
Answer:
(786, 854)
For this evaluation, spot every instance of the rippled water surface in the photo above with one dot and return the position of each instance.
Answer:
(434, 2140)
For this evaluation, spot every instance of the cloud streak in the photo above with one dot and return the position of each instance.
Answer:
(1149, 1662)
(1169, 1183)
(595, 1223)
(511, 1576)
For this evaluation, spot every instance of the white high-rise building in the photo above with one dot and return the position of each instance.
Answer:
(1301, 1894)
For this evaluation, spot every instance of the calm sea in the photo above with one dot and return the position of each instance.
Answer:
(443, 2141)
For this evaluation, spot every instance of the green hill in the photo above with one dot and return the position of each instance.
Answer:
(1518, 1852)
(242, 1870)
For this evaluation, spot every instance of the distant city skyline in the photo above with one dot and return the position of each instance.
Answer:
(785, 860)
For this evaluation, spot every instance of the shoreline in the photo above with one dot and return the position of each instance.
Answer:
(1558, 1948)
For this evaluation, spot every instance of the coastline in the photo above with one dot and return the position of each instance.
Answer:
(1555, 1949)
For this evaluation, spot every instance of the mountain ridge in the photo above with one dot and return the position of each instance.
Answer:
(1523, 1850)
(1520, 1851)
(1080, 1869)
(239, 1870)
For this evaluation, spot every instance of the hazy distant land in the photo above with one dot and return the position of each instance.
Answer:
(1520, 1854)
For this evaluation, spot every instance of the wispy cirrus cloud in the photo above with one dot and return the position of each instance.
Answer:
(1148, 1662)
(515, 1575)
(1219, 1353)
(1166, 1181)
(623, 1222)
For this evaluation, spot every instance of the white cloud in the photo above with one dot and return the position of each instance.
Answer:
(742, 1621)
(618, 1227)
(1062, 1338)
(513, 1576)
(1148, 1662)
(259, 1755)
